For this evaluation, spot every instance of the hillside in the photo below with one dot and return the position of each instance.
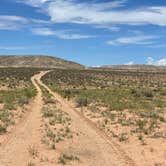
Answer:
(134, 68)
(37, 61)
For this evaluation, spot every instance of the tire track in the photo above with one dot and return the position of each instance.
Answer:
(14, 150)
(125, 159)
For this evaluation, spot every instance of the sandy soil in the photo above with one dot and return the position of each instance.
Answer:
(151, 153)
(91, 145)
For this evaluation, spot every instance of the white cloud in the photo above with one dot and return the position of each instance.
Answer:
(158, 46)
(12, 18)
(108, 27)
(130, 63)
(103, 13)
(11, 22)
(159, 62)
(68, 11)
(35, 3)
(39, 21)
(150, 61)
(43, 31)
(99, 6)
(139, 40)
(62, 34)
(23, 47)
(13, 47)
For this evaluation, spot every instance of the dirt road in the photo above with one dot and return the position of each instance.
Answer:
(14, 151)
(91, 145)
(92, 142)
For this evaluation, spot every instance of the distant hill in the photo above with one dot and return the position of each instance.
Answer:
(134, 67)
(37, 62)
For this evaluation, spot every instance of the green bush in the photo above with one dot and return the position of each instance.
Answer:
(147, 93)
(23, 100)
(2, 129)
(64, 158)
(81, 102)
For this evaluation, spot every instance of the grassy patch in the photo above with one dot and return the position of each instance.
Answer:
(53, 135)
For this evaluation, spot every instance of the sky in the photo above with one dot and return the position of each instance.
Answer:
(90, 32)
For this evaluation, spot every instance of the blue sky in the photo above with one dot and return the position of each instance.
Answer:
(91, 32)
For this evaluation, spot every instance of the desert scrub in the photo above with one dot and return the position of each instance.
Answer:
(123, 137)
(3, 129)
(115, 89)
(18, 91)
(114, 98)
(30, 163)
(54, 136)
(56, 116)
(33, 152)
(12, 99)
(81, 102)
(19, 86)
(17, 77)
(65, 158)
(102, 79)
(57, 126)
(47, 97)
(141, 93)
(6, 119)
(17, 97)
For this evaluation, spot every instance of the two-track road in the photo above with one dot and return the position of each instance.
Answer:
(93, 146)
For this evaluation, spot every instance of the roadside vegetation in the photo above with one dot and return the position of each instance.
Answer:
(56, 122)
(16, 91)
(56, 127)
(65, 158)
(133, 101)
